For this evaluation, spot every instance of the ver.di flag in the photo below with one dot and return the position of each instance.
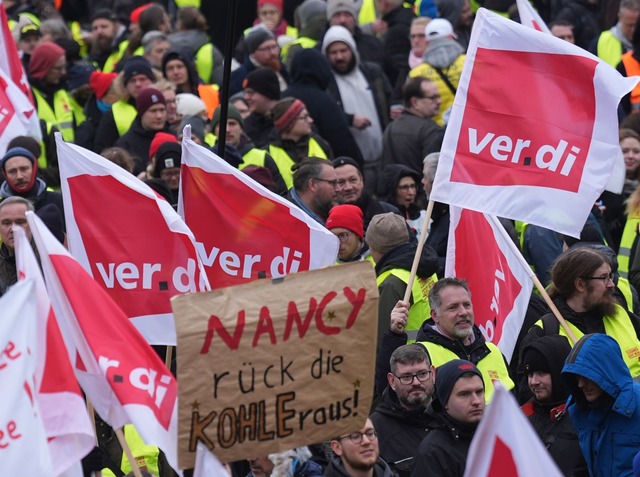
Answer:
(533, 133)
(249, 231)
(64, 412)
(500, 283)
(505, 443)
(23, 441)
(129, 239)
(120, 373)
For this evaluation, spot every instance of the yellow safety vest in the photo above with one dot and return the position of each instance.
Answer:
(76, 33)
(115, 57)
(146, 456)
(78, 111)
(203, 62)
(285, 163)
(492, 366)
(626, 242)
(453, 73)
(61, 116)
(609, 48)
(304, 41)
(420, 309)
(625, 288)
(367, 13)
(123, 114)
(188, 3)
(253, 157)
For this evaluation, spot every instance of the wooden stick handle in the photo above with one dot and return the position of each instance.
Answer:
(127, 451)
(416, 258)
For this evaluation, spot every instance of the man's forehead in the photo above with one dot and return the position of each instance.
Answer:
(17, 161)
(13, 211)
(347, 170)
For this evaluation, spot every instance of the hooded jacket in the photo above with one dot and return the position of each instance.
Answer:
(390, 177)
(609, 427)
(400, 431)
(38, 195)
(185, 57)
(336, 469)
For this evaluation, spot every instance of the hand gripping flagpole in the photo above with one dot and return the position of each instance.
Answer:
(127, 451)
(534, 278)
(416, 258)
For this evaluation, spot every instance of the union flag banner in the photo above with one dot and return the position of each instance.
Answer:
(500, 282)
(533, 133)
(129, 239)
(249, 232)
(120, 373)
(505, 443)
(64, 411)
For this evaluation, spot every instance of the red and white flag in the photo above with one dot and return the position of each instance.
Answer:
(207, 464)
(129, 239)
(13, 73)
(505, 443)
(480, 252)
(120, 373)
(533, 133)
(530, 17)
(249, 231)
(14, 110)
(23, 441)
(64, 411)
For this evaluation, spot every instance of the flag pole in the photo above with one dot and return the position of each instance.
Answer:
(416, 258)
(516, 251)
(127, 451)
(226, 76)
(168, 357)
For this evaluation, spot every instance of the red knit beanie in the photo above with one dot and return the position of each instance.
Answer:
(275, 3)
(348, 217)
(135, 14)
(101, 82)
(147, 98)
(43, 58)
(158, 140)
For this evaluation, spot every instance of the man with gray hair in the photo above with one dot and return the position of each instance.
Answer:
(13, 211)
(611, 44)
(401, 418)
(155, 45)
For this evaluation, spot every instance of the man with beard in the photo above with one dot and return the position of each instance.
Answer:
(106, 33)
(582, 289)
(357, 455)
(362, 91)
(401, 419)
(457, 410)
(314, 187)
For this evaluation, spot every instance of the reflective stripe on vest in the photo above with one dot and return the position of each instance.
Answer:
(253, 157)
(609, 49)
(420, 309)
(146, 456)
(620, 328)
(491, 366)
(123, 114)
(62, 118)
(632, 67)
(203, 62)
(285, 163)
(626, 242)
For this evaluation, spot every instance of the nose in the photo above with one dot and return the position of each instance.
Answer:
(581, 382)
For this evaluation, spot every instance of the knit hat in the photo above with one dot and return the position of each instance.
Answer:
(289, 116)
(348, 217)
(169, 155)
(264, 81)
(159, 139)
(337, 6)
(386, 231)
(79, 75)
(137, 65)
(446, 377)
(20, 152)
(589, 234)
(197, 126)
(232, 113)
(29, 30)
(147, 98)
(105, 13)
(533, 360)
(43, 58)
(439, 28)
(345, 161)
(188, 104)
(135, 14)
(101, 82)
(275, 3)
(310, 9)
(256, 37)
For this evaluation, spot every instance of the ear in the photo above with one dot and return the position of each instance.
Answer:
(433, 373)
(434, 316)
(336, 448)
(390, 380)
(580, 285)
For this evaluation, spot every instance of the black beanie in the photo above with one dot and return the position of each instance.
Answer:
(447, 375)
(533, 360)
(169, 155)
(263, 81)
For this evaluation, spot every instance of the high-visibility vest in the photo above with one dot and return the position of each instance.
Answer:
(145, 455)
(632, 68)
(115, 57)
(304, 41)
(609, 49)
(492, 366)
(187, 3)
(420, 309)
(123, 114)
(253, 157)
(620, 328)
(78, 111)
(76, 33)
(629, 235)
(203, 62)
(625, 288)
(453, 73)
(210, 96)
(61, 116)
(285, 163)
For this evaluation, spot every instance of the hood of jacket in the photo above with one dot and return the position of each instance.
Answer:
(335, 468)
(429, 332)
(311, 67)
(390, 178)
(611, 374)
(402, 257)
(186, 57)
(340, 33)
(39, 188)
(554, 349)
(442, 53)
(191, 40)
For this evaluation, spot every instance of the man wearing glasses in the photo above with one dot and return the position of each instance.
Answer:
(401, 418)
(357, 455)
(582, 288)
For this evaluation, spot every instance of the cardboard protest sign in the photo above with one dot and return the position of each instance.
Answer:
(271, 365)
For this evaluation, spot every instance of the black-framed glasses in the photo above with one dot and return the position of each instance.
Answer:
(408, 187)
(432, 98)
(604, 278)
(356, 437)
(344, 235)
(333, 183)
(422, 376)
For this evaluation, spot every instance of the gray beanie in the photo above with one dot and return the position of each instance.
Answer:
(349, 6)
(197, 125)
(309, 9)
(386, 231)
(256, 37)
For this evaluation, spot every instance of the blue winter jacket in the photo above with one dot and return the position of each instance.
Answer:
(609, 428)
